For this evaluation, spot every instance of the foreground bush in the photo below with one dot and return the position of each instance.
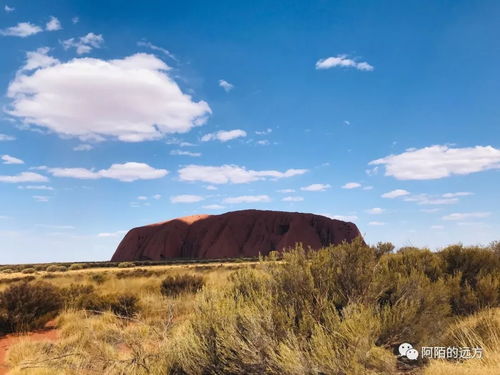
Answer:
(179, 284)
(28, 306)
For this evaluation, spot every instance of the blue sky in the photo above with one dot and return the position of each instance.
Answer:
(118, 114)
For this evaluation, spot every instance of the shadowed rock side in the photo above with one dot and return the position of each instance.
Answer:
(233, 234)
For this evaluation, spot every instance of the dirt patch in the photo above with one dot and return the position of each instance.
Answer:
(49, 333)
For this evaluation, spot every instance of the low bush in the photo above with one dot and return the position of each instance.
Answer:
(27, 306)
(56, 268)
(28, 270)
(126, 264)
(179, 284)
(8, 270)
(76, 266)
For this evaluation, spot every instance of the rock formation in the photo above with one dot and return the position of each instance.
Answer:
(234, 234)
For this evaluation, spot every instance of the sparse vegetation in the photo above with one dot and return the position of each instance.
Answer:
(340, 310)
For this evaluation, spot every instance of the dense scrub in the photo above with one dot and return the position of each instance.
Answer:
(340, 310)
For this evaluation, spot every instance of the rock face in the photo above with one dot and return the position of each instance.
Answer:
(234, 234)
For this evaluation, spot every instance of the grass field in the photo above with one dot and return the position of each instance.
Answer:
(340, 310)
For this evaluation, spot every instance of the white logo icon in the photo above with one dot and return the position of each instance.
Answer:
(406, 350)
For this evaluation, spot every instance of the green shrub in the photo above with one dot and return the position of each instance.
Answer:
(8, 270)
(28, 306)
(76, 266)
(124, 305)
(28, 270)
(126, 264)
(180, 284)
(56, 268)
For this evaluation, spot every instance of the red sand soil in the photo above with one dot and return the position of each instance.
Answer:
(234, 234)
(49, 333)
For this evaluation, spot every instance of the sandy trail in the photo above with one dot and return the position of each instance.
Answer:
(49, 333)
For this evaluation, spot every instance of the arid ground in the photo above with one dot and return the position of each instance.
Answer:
(339, 310)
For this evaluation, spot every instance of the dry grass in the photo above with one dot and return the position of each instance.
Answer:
(480, 330)
(340, 310)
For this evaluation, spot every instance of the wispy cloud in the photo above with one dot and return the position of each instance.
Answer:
(24, 177)
(127, 172)
(224, 135)
(316, 187)
(232, 174)
(5, 138)
(84, 44)
(83, 147)
(185, 153)
(466, 215)
(247, 199)
(153, 47)
(8, 9)
(351, 185)
(7, 159)
(292, 199)
(395, 193)
(226, 85)
(186, 198)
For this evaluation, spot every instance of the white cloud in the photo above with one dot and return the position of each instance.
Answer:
(231, 174)
(5, 137)
(292, 199)
(286, 191)
(344, 62)
(224, 136)
(36, 187)
(84, 44)
(439, 161)
(351, 185)
(83, 147)
(151, 46)
(8, 9)
(375, 211)
(214, 207)
(127, 172)
(22, 30)
(186, 198)
(367, 187)
(247, 199)
(38, 59)
(226, 85)
(376, 223)
(316, 187)
(157, 196)
(211, 187)
(24, 177)
(53, 24)
(41, 198)
(7, 159)
(464, 216)
(75, 20)
(118, 233)
(132, 99)
(458, 194)
(142, 198)
(395, 193)
(371, 171)
(185, 153)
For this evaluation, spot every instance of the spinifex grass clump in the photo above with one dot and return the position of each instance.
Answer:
(176, 285)
(26, 306)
